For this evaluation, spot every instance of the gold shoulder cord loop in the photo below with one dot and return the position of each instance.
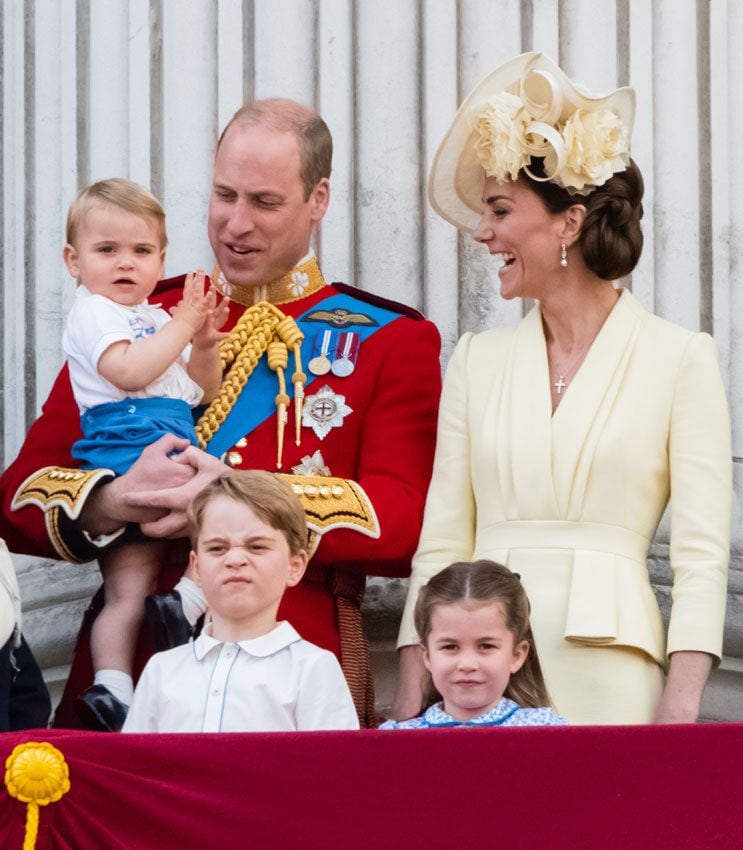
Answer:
(261, 328)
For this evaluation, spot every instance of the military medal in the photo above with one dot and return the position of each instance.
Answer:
(343, 365)
(320, 365)
(324, 411)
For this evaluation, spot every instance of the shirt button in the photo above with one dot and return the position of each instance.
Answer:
(228, 654)
(215, 692)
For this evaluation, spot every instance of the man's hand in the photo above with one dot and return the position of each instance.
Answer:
(108, 509)
(170, 502)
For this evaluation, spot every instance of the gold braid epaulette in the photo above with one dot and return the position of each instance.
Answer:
(258, 327)
(330, 503)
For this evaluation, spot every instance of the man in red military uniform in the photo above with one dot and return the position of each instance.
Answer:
(337, 388)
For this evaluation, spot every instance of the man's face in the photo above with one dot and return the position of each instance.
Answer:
(259, 221)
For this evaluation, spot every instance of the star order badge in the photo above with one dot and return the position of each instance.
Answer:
(324, 411)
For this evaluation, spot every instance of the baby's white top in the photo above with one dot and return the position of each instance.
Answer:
(94, 323)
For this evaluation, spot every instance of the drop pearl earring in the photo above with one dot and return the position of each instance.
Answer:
(564, 255)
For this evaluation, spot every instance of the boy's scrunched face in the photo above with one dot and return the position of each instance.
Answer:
(116, 254)
(243, 566)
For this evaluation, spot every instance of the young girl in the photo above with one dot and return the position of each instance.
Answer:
(136, 373)
(472, 621)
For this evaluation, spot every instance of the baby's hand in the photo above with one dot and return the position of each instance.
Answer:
(195, 304)
(209, 334)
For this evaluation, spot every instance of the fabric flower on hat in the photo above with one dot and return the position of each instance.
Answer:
(597, 147)
(499, 125)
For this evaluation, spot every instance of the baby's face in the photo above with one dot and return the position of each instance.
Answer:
(116, 254)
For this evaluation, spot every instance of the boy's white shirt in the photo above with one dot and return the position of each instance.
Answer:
(94, 323)
(274, 683)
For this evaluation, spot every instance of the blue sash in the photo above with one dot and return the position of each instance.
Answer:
(256, 403)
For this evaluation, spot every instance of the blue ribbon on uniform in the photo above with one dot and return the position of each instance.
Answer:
(256, 403)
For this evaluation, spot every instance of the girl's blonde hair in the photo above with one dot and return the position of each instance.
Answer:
(485, 582)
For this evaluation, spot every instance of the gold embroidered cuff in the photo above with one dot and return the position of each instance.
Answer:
(334, 503)
(58, 487)
(61, 494)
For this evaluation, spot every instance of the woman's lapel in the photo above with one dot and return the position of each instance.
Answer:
(580, 418)
(524, 432)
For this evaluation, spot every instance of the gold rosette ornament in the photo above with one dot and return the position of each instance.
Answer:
(36, 773)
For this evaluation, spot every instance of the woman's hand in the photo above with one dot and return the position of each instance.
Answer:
(682, 696)
(409, 697)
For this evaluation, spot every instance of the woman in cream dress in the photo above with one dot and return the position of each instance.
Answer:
(561, 440)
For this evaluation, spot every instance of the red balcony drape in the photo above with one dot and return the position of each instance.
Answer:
(594, 788)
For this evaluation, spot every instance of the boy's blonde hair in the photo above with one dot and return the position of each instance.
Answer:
(116, 192)
(269, 497)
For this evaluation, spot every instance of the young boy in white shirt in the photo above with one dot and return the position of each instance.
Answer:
(245, 672)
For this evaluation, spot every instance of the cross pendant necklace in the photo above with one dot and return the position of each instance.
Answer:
(566, 374)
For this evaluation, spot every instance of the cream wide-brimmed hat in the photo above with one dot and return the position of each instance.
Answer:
(529, 107)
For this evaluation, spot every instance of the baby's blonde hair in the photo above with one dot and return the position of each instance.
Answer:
(116, 192)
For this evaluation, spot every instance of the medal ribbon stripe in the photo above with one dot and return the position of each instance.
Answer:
(256, 404)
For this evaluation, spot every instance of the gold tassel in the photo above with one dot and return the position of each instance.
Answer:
(278, 359)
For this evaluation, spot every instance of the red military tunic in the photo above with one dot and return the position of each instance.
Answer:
(385, 444)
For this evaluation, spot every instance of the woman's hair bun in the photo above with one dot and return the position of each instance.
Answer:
(611, 236)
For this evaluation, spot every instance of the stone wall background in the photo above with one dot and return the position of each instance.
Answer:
(141, 88)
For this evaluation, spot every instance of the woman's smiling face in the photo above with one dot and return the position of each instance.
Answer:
(517, 227)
